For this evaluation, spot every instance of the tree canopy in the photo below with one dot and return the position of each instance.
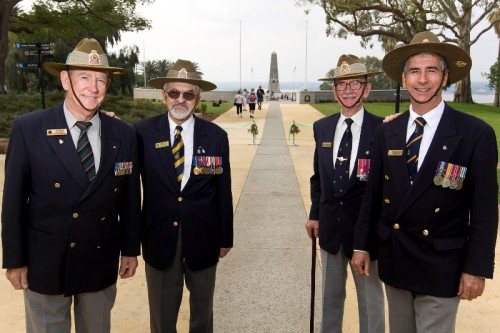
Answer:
(390, 21)
(64, 23)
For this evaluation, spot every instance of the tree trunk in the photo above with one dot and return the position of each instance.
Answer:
(496, 102)
(6, 7)
(463, 92)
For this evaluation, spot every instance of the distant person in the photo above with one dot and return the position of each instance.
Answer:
(245, 99)
(344, 143)
(431, 201)
(71, 201)
(187, 205)
(260, 97)
(252, 99)
(238, 101)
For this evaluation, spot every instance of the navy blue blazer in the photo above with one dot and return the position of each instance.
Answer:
(337, 215)
(427, 234)
(203, 209)
(68, 233)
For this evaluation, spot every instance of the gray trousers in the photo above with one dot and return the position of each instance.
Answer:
(52, 313)
(415, 313)
(165, 295)
(369, 290)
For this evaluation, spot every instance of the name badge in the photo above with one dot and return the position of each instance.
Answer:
(162, 144)
(57, 131)
(392, 152)
(326, 144)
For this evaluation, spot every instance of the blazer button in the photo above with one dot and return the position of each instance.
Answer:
(437, 210)
(72, 245)
(176, 224)
(115, 190)
(75, 215)
(386, 177)
(103, 218)
(387, 201)
(179, 199)
(57, 185)
(341, 203)
(425, 232)
(396, 226)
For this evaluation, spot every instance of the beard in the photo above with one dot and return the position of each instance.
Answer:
(180, 111)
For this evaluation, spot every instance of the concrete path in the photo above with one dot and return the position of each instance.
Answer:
(263, 284)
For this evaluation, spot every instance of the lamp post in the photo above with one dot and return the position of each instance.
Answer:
(398, 85)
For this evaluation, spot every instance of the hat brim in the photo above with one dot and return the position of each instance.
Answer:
(159, 82)
(55, 68)
(459, 61)
(350, 75)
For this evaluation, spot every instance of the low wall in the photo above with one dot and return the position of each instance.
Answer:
(302, 97)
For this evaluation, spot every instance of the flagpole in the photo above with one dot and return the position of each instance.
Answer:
(306, 59)
(240, 54)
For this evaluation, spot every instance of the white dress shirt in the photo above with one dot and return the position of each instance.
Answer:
(356, 134)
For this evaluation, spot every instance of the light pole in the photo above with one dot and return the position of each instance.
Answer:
(398, 85)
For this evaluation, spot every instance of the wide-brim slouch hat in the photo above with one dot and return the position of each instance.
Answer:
(182, 71)
(459, 61)
(87, 54)
(348, 66)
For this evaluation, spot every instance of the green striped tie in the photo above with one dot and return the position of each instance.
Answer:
(178, 152)
(84, 150)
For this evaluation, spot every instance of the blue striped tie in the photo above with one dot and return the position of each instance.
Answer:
(84, 150)
(178, 152)
(413, 147)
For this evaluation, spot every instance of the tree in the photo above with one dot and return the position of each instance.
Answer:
(65, 22)
(390, 21)
(373, 64)
(494, 76)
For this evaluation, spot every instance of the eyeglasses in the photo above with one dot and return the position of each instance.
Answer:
(187, 95)
(354, 85)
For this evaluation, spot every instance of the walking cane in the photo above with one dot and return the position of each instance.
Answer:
(313, 284)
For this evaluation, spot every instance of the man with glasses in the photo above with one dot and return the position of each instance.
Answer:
(341, 167)
(187, 213)
(71, 201)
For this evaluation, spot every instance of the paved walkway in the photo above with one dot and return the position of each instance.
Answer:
(263, 284)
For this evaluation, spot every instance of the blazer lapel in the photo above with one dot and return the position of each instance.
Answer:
(443, 146)
(200, 139)
(64, 147)
(165, 157)
(328, 135)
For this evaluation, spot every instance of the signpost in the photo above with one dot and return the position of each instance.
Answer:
(36, 49)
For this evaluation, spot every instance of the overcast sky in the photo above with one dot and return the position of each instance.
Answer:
(208, 32)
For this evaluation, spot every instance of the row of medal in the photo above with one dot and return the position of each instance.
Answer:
(450, 175)
(207, 165)
(123, 168)
(363, 169)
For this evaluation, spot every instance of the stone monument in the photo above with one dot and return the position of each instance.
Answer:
(274, 81)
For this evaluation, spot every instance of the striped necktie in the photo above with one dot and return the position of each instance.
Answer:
(343, 161)
(178, 153)
(84, 150)
(413, 147)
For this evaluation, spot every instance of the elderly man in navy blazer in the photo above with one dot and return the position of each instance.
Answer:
(431, 200)
(344, 143)
(71, 201)
(187, 213)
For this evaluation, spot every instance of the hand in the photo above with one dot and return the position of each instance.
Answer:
(18, 277)
(128, 265)
(361, 262)
(312, 227)
(470, 287)
(391, 117)
(110, 114)
(224, 251)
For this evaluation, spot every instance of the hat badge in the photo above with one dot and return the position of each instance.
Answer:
(425, 40)
(344, 68)
(94, 58)
(182, 74)
(461, 63)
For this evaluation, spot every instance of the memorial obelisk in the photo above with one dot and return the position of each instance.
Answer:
(274, 81)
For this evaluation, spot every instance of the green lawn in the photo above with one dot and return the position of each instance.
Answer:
(488, 113)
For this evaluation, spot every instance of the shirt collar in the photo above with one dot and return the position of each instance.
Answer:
(432, 117)
(357, 118)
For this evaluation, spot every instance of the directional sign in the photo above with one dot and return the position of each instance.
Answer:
(35, 52)
(34, 45)
(27, 65)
